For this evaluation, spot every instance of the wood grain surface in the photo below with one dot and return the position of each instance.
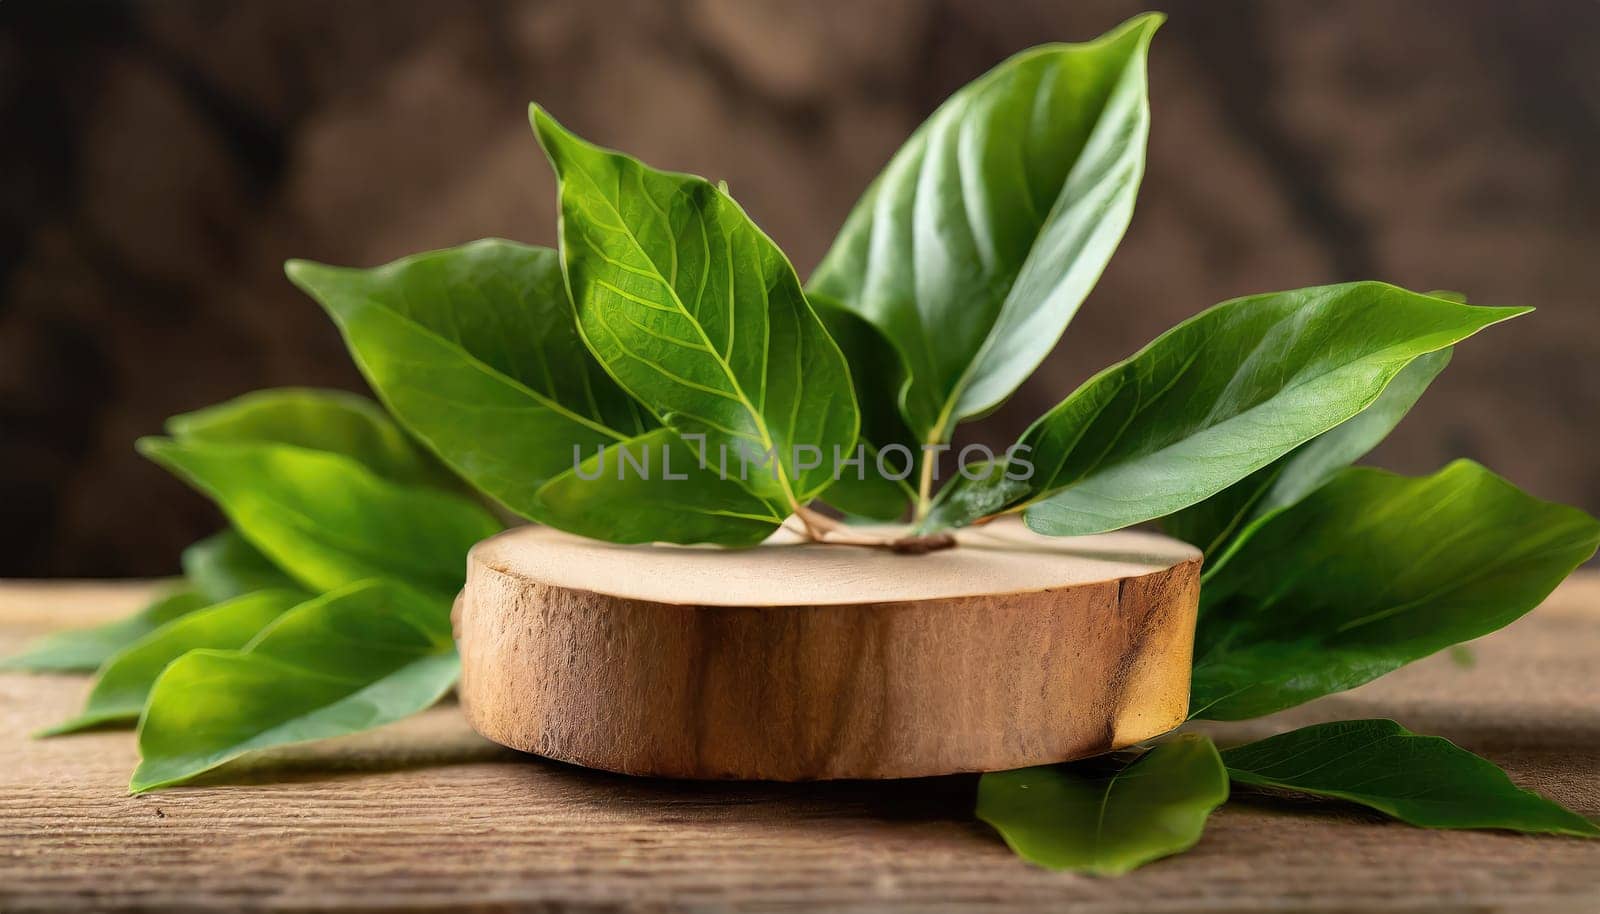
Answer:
(795, 661)
(425, 815)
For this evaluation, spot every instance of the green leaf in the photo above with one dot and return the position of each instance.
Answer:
(124, 682)
(351, 660)
(476, 350)
(327, 520)
(1423, 780)
(877, 374)
(319, 420)
(1212, 523)
(641, 498)
(870, 487)
(83, 650)
(699, 315)
(877, 371)
(986, 231)
(1222, 395)
(1091, 819)
(1371, 572)
(224, 565)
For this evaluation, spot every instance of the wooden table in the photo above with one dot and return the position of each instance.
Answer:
(426, 815)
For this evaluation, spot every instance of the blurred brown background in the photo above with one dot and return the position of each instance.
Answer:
(159, 161)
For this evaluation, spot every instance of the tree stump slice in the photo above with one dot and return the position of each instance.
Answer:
(794, 661)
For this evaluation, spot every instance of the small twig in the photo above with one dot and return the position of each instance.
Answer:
(925, 486)
(808, 519)
(824, 529)
(801, 531)
(921, 545)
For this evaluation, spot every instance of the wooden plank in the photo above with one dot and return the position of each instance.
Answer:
(426, 815)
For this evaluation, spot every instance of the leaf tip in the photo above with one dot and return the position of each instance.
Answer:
(71, 725)
(1502, 313)
(1148, 21)
(154, 447)
(299, 271)
(150, 776)
(546, 129)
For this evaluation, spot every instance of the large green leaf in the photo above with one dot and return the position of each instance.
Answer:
(348, 661)
(1371, 572)
(986, 231)
(1212, 523)
(326, 519)
(124, 682)
(1222, 395)
(224, 565)
(1098, 818)
(1423, 780)
(654, 494)
(320, 420)
(475, 349)
(699, 315)
(83, 650)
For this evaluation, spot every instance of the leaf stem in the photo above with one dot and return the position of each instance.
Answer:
(930, 461)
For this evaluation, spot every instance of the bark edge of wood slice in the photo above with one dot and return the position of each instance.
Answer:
(793, 661)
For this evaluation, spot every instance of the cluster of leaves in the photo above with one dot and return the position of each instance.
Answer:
(670, 326)
(324, 610)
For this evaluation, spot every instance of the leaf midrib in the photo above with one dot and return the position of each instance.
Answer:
(672, 292)
(1376, 355)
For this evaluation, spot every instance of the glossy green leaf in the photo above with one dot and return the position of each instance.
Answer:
(1213, 523)
(224, 565)
(986, 231)
(476, 350)
(351, 660)
(327, 520)
(83, 650)
(699, 315)
(1423, 780)
(320, 420)
(1371, 572)
(1222, 395)
(876, 489)
(647, 489)
(1096, 817)
(124, 682)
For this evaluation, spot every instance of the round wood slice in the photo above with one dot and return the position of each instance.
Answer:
(794, 661)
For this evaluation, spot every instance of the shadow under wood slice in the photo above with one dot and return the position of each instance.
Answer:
(794, 661)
